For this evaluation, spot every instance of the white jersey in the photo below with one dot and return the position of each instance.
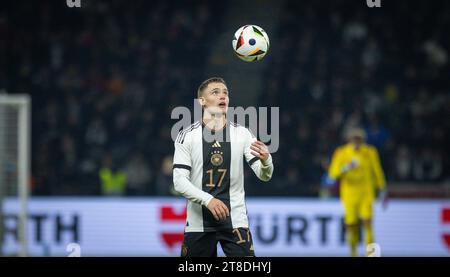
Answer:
(203, 170)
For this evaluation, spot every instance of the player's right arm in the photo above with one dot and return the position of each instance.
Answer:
(340, 165)
(334, 170)
(182, 166)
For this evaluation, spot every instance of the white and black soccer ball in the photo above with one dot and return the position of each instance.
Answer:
(251, 43)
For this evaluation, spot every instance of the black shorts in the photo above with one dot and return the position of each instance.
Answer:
(235, 243)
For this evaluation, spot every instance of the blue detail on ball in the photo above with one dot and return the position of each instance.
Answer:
(252, 41)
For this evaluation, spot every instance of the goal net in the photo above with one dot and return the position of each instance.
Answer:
(14, 169)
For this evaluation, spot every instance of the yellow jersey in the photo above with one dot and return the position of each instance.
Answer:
(358, 182)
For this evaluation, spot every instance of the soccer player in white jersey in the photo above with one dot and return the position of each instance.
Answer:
(210, 174)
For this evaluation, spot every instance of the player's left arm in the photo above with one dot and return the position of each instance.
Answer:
(258, 157)
(380, 179)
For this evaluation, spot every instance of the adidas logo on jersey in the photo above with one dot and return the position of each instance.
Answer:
(216, 144)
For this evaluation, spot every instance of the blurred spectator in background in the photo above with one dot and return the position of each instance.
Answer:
(377, 134)
(427, 165)
(139, 175)
(164, 181)
(112, 179)
(403, 164)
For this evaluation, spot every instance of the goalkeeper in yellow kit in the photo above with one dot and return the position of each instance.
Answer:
(356, 165)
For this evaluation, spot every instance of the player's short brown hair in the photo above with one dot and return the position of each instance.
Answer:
(356, 133)
(205, 83)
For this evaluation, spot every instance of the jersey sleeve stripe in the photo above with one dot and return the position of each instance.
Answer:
(253, 160)
(182, 134)
(191, 128)
(183, 166)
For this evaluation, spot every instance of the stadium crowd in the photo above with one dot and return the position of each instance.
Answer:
(340, 65)
(104, 82)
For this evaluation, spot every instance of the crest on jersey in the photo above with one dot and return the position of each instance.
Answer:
(217, 158)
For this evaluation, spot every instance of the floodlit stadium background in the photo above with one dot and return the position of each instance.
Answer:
(105, 77)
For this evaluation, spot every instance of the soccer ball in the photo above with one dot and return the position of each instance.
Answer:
(250, 43)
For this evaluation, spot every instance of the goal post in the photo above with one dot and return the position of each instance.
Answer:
(15, 160)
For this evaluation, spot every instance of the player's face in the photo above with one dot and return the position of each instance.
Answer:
(356, 141)
(215, 98)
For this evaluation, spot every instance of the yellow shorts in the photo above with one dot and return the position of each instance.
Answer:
(356, 210)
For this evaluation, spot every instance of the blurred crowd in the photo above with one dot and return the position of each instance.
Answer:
(342, 65)
(104, 81)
